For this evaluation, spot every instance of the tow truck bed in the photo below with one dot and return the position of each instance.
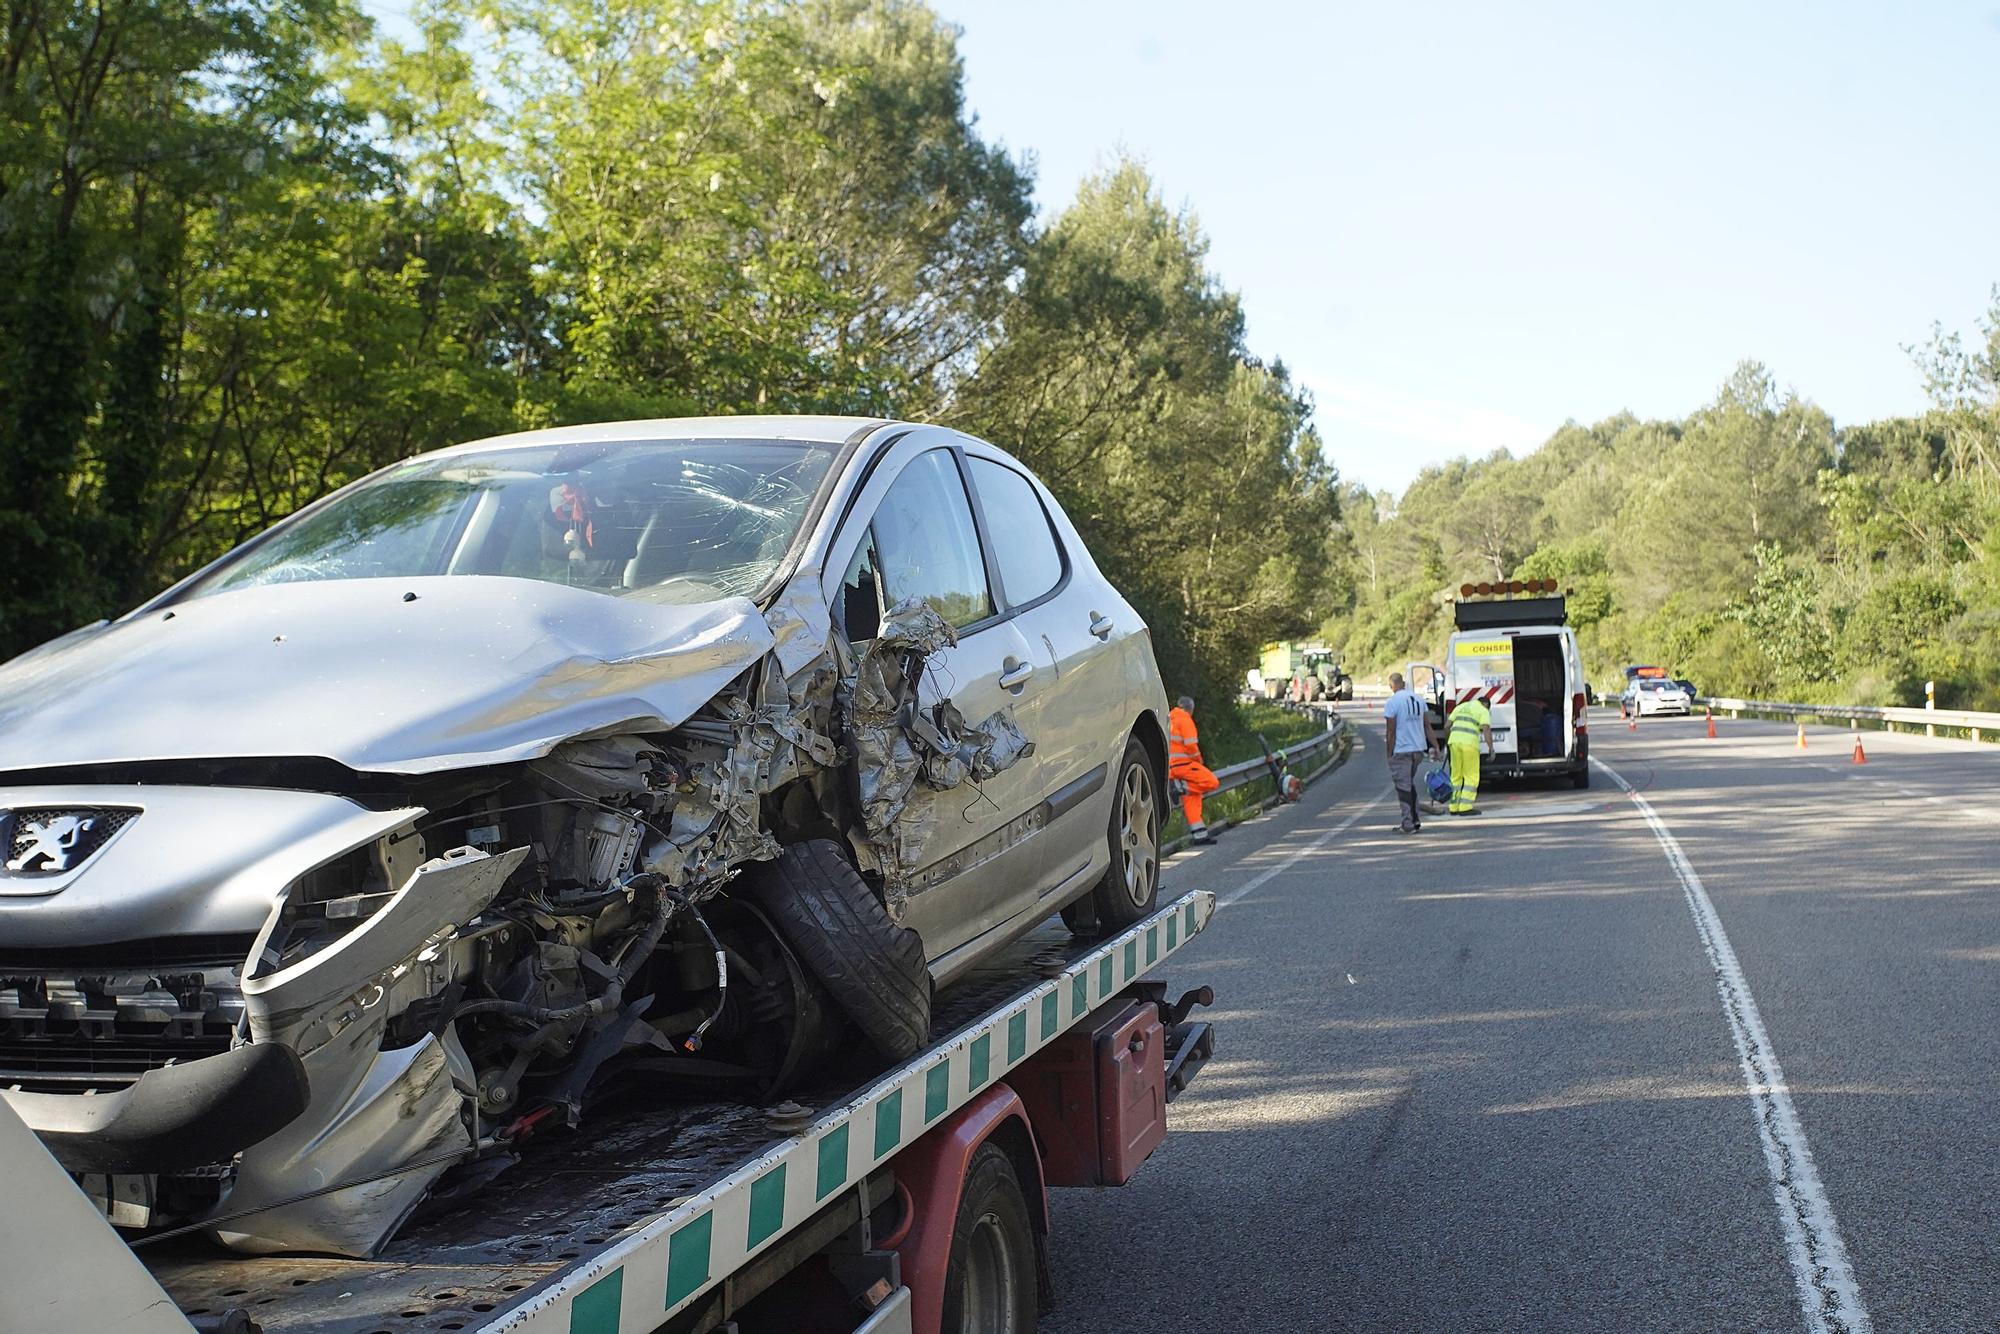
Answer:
(629, 1221)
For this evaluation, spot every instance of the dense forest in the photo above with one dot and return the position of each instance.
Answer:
(251, 252)
(1754, 546)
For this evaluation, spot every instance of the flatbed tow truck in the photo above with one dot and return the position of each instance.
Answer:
(909, 1201)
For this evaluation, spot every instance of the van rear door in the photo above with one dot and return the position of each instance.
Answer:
(1543, 703)
(1482, 667)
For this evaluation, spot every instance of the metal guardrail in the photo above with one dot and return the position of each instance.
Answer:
(1250, 770)
(1928, 719)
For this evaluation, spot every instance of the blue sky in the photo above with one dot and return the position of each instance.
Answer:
(1462, 224)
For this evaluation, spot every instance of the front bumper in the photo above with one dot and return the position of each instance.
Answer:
(174, 1117)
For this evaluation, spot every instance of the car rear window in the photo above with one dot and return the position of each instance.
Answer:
(1024, 542)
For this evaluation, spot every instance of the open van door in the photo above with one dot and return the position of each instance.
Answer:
(1427, 681)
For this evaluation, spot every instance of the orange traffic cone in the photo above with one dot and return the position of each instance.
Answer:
(1632, 721)
(1860, 755)
(1711, 724)
(1802, 736)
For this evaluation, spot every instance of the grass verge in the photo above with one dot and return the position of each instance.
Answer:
(1233, 807)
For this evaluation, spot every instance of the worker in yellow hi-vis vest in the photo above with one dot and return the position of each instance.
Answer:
(1471, 731)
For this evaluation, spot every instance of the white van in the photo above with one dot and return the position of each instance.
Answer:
(1519, 656)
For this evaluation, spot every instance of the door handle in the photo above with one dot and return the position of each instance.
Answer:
(1100, 625)
(1014, 674)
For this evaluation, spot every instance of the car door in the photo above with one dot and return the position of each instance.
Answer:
(974, 868)
(1070, 623)
(1427, 680)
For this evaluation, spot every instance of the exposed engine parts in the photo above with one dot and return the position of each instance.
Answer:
(478, 955)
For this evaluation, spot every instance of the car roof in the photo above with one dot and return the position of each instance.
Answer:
(751, 426)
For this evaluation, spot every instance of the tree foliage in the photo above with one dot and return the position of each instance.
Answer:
(1751, 546)
(1120, 374)
(249, 253)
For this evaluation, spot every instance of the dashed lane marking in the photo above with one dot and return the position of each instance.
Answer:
(1829, 1297)
(1534, 810)
(1263, 877)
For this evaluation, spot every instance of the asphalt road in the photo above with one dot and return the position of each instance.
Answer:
(1487, 1078)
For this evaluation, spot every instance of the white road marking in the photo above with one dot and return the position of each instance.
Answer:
(1264, 876)
(1829, 1297)
(1528, 809)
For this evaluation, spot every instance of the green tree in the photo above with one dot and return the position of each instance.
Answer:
(1492, 518)
(1790, 619)
(1744, 474)
(1119, 373)
(125, 130)
(1964, 384)
(750, 207)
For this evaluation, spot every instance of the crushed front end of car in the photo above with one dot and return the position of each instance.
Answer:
(319, 897)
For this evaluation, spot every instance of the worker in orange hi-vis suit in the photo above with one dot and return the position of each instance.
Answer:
(1184, 766)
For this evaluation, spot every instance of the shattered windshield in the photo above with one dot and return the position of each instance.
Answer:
(672, 520)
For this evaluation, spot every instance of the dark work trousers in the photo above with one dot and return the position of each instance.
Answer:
(1403, 773)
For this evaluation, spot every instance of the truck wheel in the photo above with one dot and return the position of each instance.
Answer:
(1131, 884)
(874, 969)
(989, 1285)
(1581, 778)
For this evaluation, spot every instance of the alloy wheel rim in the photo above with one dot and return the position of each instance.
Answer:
(1137, 835)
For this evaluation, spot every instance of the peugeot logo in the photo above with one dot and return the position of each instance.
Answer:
(51, 840)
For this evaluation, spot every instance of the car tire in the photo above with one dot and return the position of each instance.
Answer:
(1131, 884)
(874, 969)
(990, 1279)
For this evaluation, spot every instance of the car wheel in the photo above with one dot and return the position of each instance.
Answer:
(874, 969)
(989, 1283)
(1131, 884)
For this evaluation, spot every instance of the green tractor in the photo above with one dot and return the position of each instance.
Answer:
(1309, 672)
(1324, 677)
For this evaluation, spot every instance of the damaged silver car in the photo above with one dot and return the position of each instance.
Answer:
(658, 753)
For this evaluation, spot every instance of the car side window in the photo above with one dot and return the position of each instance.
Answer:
(926, 544)
(1024, 542)
(861, 594)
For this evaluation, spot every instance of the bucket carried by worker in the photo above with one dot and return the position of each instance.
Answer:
(1437, 784)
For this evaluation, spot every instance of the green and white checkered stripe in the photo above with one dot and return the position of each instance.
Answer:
(662, 1266)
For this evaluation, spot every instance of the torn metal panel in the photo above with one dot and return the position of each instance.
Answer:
(746, 746)
(372, 1112)
(992, 747)
(801, 625)
(897, 742)
(335, 988)
(393, 1132)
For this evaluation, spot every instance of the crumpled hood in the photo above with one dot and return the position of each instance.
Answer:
(473, 670)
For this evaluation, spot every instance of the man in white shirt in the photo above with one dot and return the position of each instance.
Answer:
(1410, 739)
